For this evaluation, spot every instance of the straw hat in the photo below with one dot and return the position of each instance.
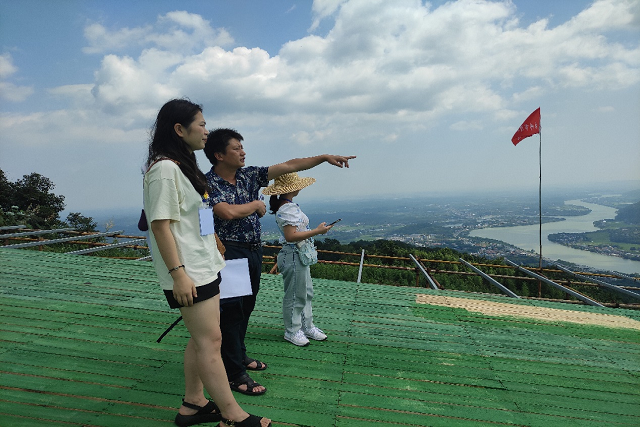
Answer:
(287, 183)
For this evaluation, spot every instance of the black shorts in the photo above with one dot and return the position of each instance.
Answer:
(204, 293)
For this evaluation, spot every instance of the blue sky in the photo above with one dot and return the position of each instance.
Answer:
(427, 95)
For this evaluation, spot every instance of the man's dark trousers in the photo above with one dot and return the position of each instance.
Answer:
(235, 312)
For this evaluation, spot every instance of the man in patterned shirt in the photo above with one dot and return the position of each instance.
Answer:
(237, 209)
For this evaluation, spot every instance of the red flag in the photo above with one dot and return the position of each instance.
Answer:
(531, 126)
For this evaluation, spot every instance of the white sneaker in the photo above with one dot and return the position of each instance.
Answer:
(315, 333)
(298, 338)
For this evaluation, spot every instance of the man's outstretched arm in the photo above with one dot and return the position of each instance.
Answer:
(296, 165)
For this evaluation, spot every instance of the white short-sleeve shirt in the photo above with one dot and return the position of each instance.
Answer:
(291, 214)
(168, 194)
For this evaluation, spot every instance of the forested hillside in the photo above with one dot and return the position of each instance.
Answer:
(629, 214)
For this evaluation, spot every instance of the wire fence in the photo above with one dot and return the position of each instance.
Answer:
(426, 271)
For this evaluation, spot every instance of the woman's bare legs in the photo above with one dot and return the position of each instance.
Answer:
(193, 387)
(203, 363)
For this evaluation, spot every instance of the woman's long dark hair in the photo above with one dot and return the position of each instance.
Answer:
(275, 202)
(165, 142)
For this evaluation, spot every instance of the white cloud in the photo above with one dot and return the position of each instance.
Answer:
(187, 32)
(392, 138)
(124, 84)
(78, 95)
(6, 66)
(177, 31)
(528, 94)
(101, 40)
(14, 121)
(606, 109)
(302, 138)
(467, 125)
(322, 9)
(68, 128)
(608, 15)
(378, 57)
(10, 91)
(505, 115)
(13, 93)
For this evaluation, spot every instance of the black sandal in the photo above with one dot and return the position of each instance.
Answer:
(259, 365)
(250, 421)
(208, 413)
(251, 384)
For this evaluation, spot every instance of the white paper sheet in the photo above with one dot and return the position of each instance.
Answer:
(235, 280)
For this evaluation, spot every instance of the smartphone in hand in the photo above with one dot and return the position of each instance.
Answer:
(334, 222)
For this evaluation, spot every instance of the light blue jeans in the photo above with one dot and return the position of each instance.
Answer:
(298, 291)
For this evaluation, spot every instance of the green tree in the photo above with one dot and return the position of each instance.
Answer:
(80, 222)
(6, 192)
(30, 201)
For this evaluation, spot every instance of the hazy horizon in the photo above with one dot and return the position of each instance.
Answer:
(307, 197)
(321, 209)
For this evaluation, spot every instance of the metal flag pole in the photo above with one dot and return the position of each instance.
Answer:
(540, 206)
(540, 191)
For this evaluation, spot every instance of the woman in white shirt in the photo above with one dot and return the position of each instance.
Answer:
(295, 257)
(188, 262)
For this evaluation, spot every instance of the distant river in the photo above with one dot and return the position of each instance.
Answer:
(527, 237)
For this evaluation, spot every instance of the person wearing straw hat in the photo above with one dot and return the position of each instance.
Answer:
(295, 257)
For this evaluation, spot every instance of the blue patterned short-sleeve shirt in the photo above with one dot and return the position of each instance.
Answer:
(249, 180)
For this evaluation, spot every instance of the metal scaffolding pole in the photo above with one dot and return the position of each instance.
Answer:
(600, 282)
(102, 248)
(361, 264)
(426, 274)
(555, 285)
(490, 279)
(65, 239)
(35, 233)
